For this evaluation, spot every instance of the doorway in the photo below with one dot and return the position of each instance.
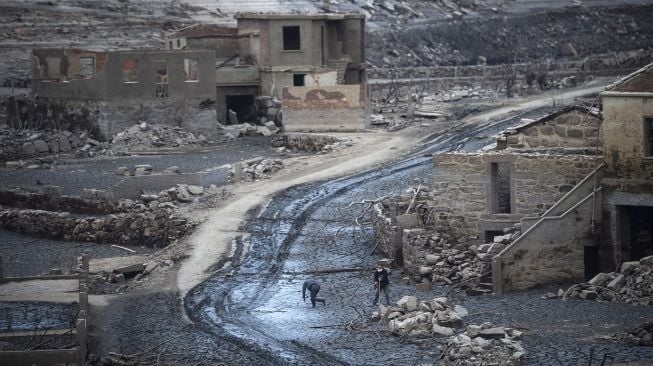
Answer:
(244, 107)
(636, 231)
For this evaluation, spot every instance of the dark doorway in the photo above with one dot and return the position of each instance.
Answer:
(641, 231)
(591, 261)
(501, 200)
(490, 234)
(244, 107)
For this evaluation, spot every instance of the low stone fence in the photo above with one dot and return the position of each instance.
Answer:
(71, 356)
(91, 201)
(154, 228)
(305, 142)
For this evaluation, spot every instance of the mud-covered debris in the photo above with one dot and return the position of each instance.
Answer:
(633, 284)
(485, 344)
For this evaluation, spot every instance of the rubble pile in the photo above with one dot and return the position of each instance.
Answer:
(144, 226)
(485, 344)
(641, 335)
(311, 142)
(146, 136)
(633, 284)
(183, 193)
(256, 168)
(413, 318)
(438, 261)
(269, 110)
(269, 128)
(16, 144)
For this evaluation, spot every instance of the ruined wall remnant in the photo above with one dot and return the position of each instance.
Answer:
(627, 149)
(328, 108)
(572, 127)
(464, 196)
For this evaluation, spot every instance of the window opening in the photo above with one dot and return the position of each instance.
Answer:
(86, 67)
(191, 69)
(298, 79)
(161, 78)
(130, 71)
(291, 38)
(501, 200)
(648, 132)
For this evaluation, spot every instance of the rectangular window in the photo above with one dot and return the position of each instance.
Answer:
(170, 43)
(161, 78)
(130, 71)
(298, 79)
(500, 180)
(291, 38)
(86, 67)
(178, 43)
(648, 135)
(191, 70)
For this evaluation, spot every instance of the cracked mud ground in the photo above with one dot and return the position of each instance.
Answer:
(252, 312)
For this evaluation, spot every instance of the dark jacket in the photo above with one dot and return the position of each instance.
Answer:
(312, 286)
(381, 278)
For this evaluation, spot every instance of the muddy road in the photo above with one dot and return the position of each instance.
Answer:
(253, 299)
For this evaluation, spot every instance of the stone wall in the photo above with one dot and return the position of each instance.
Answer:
(51, 198)
(387, 236)
(152, 228)
(328, 108)
(625, 146)
(550, 252)
(572, 128)
(463, 188)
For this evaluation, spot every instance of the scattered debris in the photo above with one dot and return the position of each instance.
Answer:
(632, 285)
(485, 344)
(144, 136)
(256, 168)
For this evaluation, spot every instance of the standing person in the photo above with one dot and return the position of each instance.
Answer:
(313, 287)
(381, 283)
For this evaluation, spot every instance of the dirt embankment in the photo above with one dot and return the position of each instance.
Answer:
(506, 39)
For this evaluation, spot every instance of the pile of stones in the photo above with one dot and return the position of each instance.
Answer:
(245, 129)
(485, 344)
(18, 144)
(146, 136)
(183, 193)
(256, 168)
(413, 318)
(641, 335)
(633, 284)
(268, 110)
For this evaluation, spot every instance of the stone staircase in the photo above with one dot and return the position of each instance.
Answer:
(340, 65)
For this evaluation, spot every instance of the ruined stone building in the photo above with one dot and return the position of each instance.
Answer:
(313, 63)
(579, 187)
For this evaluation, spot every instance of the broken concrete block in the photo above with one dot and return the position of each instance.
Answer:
(141, 171)
(93, 142)
(182, 194)
(617, 283)
(461, 311)
(473, 330)
(600, 279)
(123, 170)
(264, 131)
(439, 330)
(423, 287)
(492, 333)
(628, 268)
(195, 190)
(448, 318)
(408, 302)
(646, 261)
(131, 269)
(425, 271)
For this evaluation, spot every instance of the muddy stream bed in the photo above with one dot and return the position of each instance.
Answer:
(310, 232)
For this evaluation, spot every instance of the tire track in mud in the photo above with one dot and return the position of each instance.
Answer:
(223, 303)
